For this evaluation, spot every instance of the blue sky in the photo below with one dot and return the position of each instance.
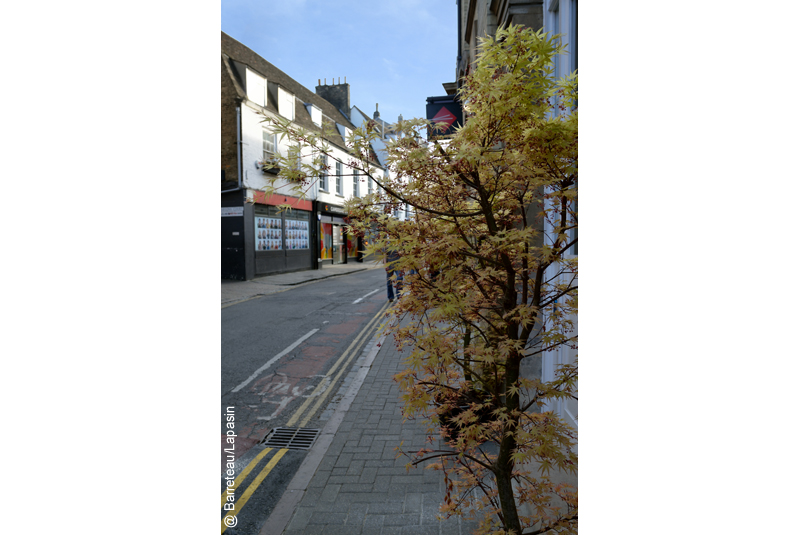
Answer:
(394, 53)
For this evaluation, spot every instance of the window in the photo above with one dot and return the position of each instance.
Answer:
(356, 191)
(339, 178)
(269, 144)
(316, 114)
(286, 104)
(556, 15)
(256, 88)
(573, 233)
(369, 183)
(323, 177)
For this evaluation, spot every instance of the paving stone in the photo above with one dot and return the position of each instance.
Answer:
(343, 530)
(300, 518)
(327, 518)
(317, 529)
(368, 475)
(330, 492)
(356, 511)
(386, 508)
(412, 503)
(357, 487)
(419, 530)
(373, 523)
(401, 520)
(344, 459)
(341, 480)
(355, 467)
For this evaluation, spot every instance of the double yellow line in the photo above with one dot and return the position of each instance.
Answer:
(347, 356)
(253, 486)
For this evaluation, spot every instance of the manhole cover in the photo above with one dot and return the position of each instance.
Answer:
(291, 438)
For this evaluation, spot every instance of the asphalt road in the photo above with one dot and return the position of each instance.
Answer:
(284, 357)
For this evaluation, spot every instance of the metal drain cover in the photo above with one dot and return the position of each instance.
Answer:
(291, 438)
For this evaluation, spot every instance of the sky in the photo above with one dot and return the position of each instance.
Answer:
(395, 54)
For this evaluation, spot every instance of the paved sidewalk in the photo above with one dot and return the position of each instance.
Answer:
(237, 291)
(359, 486)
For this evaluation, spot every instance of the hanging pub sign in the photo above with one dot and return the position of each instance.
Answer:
(446, 112)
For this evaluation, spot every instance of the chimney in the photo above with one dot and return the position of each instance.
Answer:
(377, 114)
(336, 94)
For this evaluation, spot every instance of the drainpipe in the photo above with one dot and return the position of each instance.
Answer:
(238, 148)
(458, 58)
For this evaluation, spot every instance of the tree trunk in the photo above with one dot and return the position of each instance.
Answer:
(505, 464)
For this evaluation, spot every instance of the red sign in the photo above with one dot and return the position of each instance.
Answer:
(277, 200)
(444, 116)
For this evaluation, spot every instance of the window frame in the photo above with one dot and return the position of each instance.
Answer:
(323, 176)
(339, 174)
(286, 110)
(265, 132)
(253, 80)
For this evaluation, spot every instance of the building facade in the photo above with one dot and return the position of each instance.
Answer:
(561, 18)
(257, 237)
(481, 18)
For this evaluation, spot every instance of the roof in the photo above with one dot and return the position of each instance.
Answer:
(234, 52)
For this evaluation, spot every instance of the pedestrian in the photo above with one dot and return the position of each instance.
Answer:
(390, 260)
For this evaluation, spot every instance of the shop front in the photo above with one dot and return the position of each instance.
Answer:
(335, 246)
(282, 239)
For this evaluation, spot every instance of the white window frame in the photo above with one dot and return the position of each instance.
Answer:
(356, 188)
(286, 103)
(265, 141)
(323, 177)
(256, 87)
(339, 178)
(316, 114)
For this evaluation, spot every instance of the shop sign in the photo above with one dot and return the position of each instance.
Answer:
(233, 211)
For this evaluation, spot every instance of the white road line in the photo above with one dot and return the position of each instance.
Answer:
(273, 359)
(362, 298)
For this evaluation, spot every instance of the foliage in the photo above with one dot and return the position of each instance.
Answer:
(484, 297)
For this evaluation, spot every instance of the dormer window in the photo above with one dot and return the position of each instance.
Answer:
(316, 114)
(286, 104)
(256, 88)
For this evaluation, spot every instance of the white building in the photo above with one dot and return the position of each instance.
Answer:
(258, 238)
(561, 17)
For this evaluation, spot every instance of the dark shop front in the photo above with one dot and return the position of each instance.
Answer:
(266, 239)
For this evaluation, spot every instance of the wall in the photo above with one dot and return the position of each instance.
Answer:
(228, 134)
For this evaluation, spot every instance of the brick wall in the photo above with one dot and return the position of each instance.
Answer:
(228, 124)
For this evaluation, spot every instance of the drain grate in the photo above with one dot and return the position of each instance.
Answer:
(291, 438)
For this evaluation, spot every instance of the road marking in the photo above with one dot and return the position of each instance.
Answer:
(243, 474)
(240, 503)
(362, 298)
(296, 416)
(341, 371)
(273, 359)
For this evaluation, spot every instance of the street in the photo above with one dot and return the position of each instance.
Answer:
(284, 358)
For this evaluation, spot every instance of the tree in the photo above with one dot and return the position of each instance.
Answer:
(483, 298)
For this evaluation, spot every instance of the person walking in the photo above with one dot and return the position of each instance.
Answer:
(390, 259)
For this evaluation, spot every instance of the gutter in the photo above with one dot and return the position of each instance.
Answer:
(238, 148)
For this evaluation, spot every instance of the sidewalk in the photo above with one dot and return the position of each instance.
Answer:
(238, 291)
(352, 481)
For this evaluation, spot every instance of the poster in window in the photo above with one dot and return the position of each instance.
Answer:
(269, 233)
